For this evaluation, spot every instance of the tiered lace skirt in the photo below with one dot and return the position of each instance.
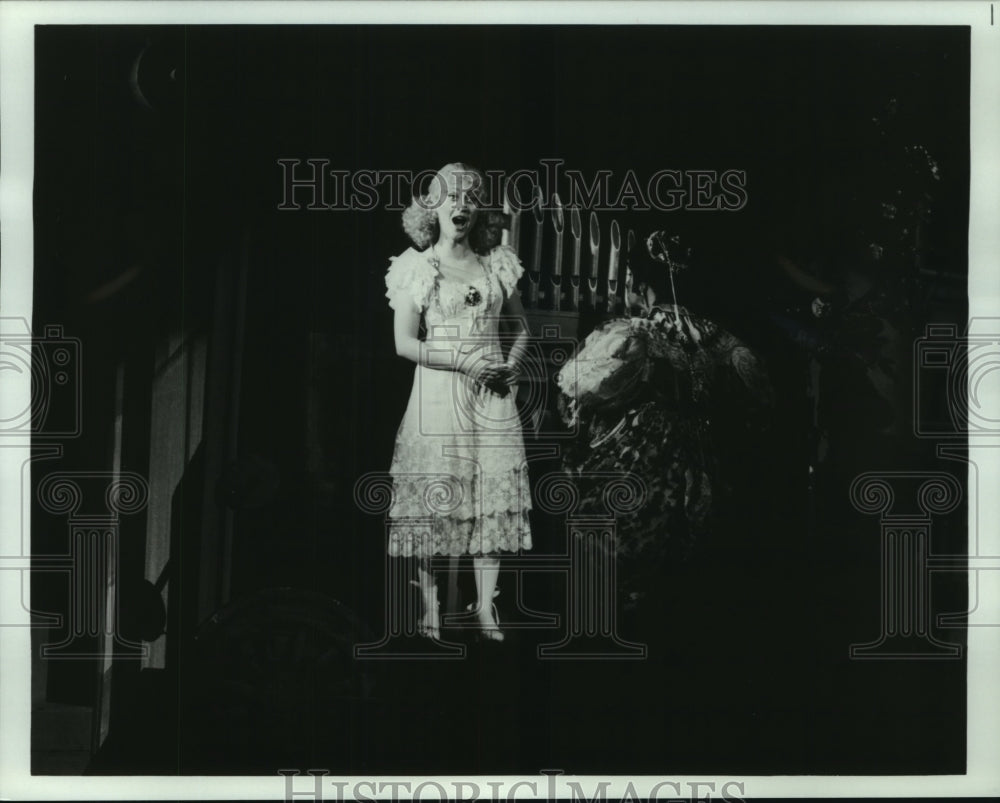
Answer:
(459, 475)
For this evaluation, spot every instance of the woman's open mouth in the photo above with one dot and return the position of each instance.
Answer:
(460, 221)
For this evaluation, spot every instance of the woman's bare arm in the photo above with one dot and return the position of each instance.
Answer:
(515, 309)
(406, 327)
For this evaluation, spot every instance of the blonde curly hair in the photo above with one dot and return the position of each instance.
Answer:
(420, 220)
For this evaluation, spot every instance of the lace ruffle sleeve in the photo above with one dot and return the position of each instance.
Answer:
(507, 268)
(410, 280)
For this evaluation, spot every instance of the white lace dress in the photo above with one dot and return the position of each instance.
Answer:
(460, 479)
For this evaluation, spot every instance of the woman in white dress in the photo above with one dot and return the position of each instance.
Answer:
(460, 478)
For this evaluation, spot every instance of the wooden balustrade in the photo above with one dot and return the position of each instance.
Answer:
(564, 280)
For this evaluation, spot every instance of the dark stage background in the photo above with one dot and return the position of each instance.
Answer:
(156, 224)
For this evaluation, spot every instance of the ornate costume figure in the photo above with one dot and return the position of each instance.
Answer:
(647, 392)
(459, 472)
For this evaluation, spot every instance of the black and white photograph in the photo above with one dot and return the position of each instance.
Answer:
(602, 402)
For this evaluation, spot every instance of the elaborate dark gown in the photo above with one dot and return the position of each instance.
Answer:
(648, 395)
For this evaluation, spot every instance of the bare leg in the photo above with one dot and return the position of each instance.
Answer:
(486, 569)
(430, 623)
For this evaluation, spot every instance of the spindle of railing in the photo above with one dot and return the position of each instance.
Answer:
(535, 268)
(576, 229)
(616, 243)
(595, 250)
(512, 234)
(559, 224)
(629, 256)
(545, 281)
